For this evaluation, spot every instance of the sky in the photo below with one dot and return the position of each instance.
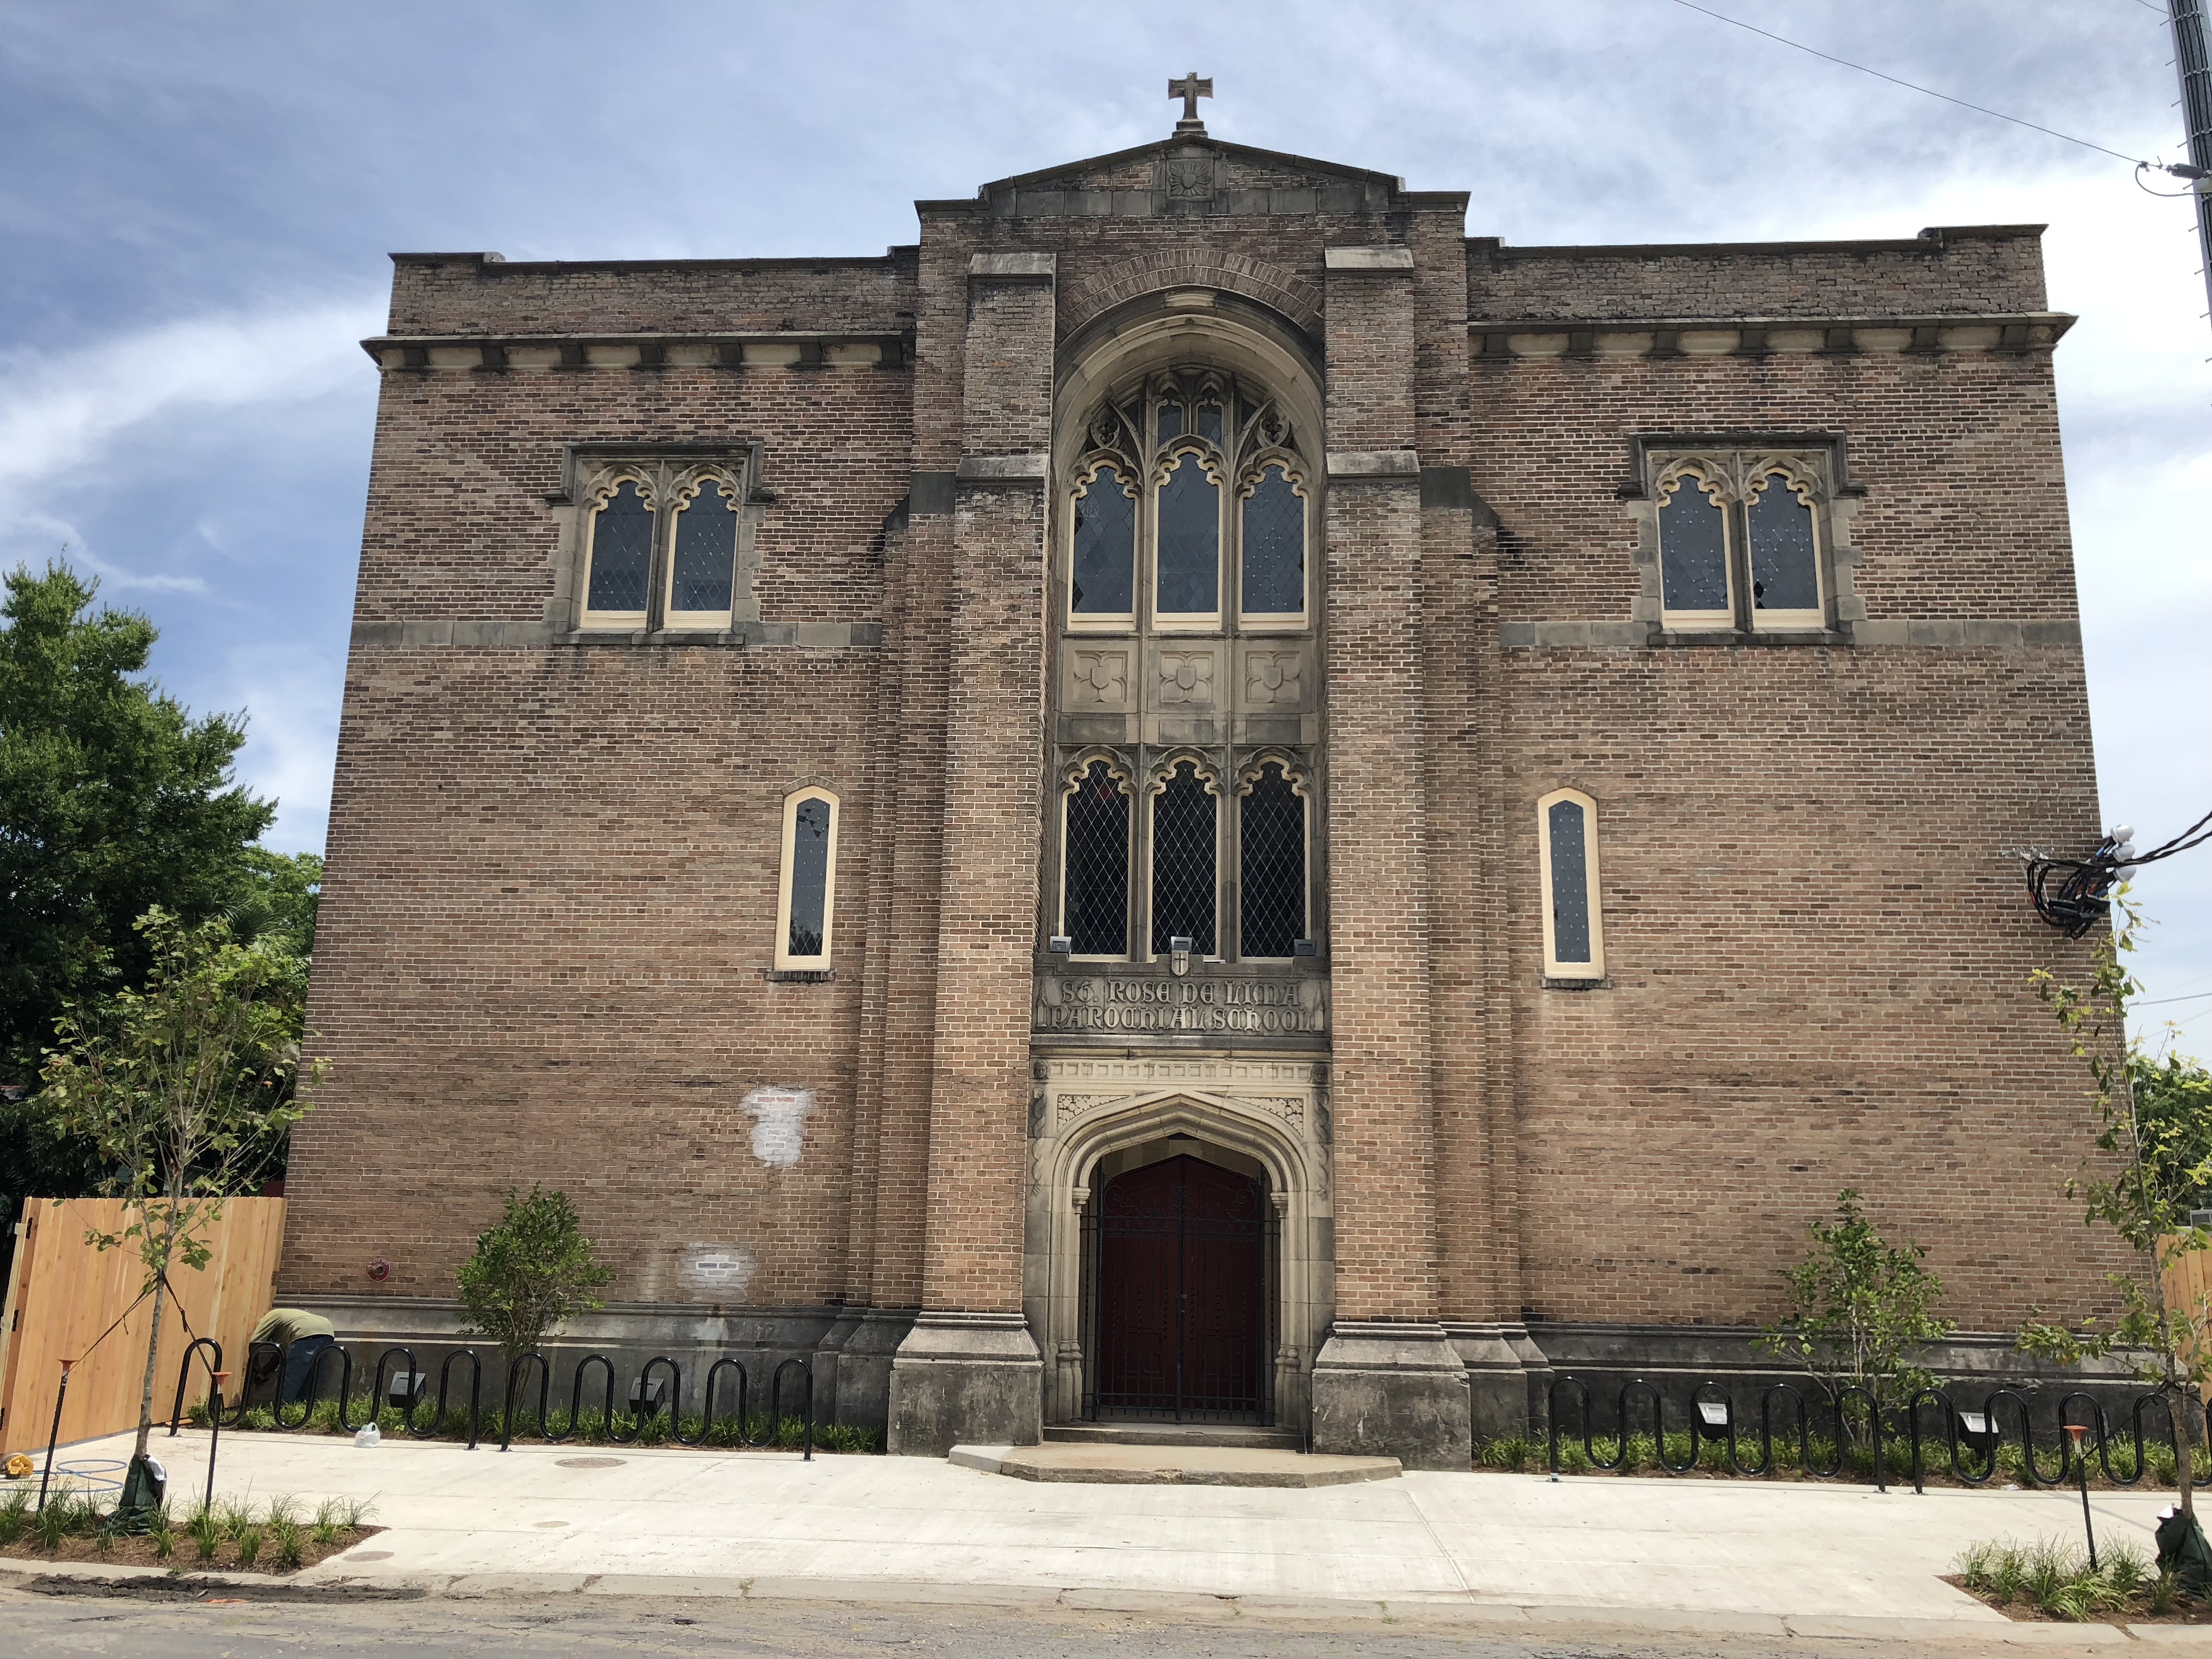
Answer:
(198, 200)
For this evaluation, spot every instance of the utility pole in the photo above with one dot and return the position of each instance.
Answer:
(2191, 63)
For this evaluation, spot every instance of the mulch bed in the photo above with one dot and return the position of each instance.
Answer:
(185, 1556)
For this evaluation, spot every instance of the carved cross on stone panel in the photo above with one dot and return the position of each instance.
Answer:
(1192, 88)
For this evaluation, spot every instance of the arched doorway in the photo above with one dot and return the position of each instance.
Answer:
(1180, 1294)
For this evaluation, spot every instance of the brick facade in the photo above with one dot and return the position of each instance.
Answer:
(555, 857)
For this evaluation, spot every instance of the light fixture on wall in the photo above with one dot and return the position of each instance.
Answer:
(1060, 945)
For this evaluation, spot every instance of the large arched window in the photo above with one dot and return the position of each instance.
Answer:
(1094, 913)
(1566, 842)
(1271, 880)
(1186, 854)
(807, 896)
(1222, 524)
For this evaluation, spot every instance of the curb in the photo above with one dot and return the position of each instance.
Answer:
(1441, 1612)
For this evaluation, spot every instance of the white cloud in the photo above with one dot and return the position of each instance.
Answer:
(291, 694)
(62, 414)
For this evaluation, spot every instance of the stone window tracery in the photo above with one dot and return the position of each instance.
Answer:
(1741, 541)
(1222, 521)
(660, 544)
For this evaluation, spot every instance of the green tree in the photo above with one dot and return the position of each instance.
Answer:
(114, 799)
(2153, 1157)
(530, 1274)
(280, 894)
(187, 1089)
(1861, 1309)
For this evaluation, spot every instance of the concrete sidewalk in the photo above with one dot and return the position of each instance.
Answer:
(1777, 1560)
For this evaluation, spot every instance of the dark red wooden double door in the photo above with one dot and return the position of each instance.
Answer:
(1182, 1283)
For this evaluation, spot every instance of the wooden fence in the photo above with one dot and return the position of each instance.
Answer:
(2188, 1281)
(63, 1293)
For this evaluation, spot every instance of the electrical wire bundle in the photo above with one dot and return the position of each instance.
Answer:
(2076, 894)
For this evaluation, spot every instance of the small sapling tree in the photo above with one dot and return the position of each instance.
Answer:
(530, 1274)
(1861, 1309)
(2149, 1168)
(188, 1088)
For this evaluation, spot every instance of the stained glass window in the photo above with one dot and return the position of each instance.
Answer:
(1566, 823)
(1104, 577)
(1693, 549)
(622, 551)
(1784, 574)
(1189, 580)
(1275, 547)
(706, 552)
(1272, 873)
(809, 878)
(1095, 893)
(1183, 862)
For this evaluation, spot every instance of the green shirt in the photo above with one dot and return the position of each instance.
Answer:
(285, 1325)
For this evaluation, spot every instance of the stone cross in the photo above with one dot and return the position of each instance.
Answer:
(1190, 90)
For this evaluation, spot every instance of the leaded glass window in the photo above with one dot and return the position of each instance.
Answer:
(1189, 536)
(1785, 571)
(1103, 581)
(1274, 580)
(1573, 946)
(1184, 855)
(1693, 563)
(621, 552)
(1272, 866)
(704, 566)
(809, 861)
(1095, 893)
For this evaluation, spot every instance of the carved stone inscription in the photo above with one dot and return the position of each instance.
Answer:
(1107, 1004)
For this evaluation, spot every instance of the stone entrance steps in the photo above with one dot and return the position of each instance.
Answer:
(1239, 1436)
(1155, 1465)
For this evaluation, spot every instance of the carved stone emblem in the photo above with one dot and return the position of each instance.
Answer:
(1101, 678)
(1190, 175)
(1272, 677)
(1185, 676)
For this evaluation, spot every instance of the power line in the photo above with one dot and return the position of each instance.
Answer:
(2195, 996)
(1911, 86)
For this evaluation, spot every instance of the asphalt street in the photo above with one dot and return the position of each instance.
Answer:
(571, 1627)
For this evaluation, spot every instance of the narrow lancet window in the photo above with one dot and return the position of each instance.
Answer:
(1275, 547)
(1271, 875)
(1785, 569)
(809, 880)
(1693, 552)
(1095, 887)
(1184, 854)
(1103, 580)
(622, 553)
(1566, 830)
(1189, 580)
(704, 566)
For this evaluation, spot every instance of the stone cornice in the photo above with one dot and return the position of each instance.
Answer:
(1765, 337)
(757, 348)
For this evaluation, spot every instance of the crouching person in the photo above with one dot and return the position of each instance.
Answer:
(302, 1336)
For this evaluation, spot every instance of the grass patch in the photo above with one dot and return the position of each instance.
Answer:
(2052, 1580)
(271, 1537)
